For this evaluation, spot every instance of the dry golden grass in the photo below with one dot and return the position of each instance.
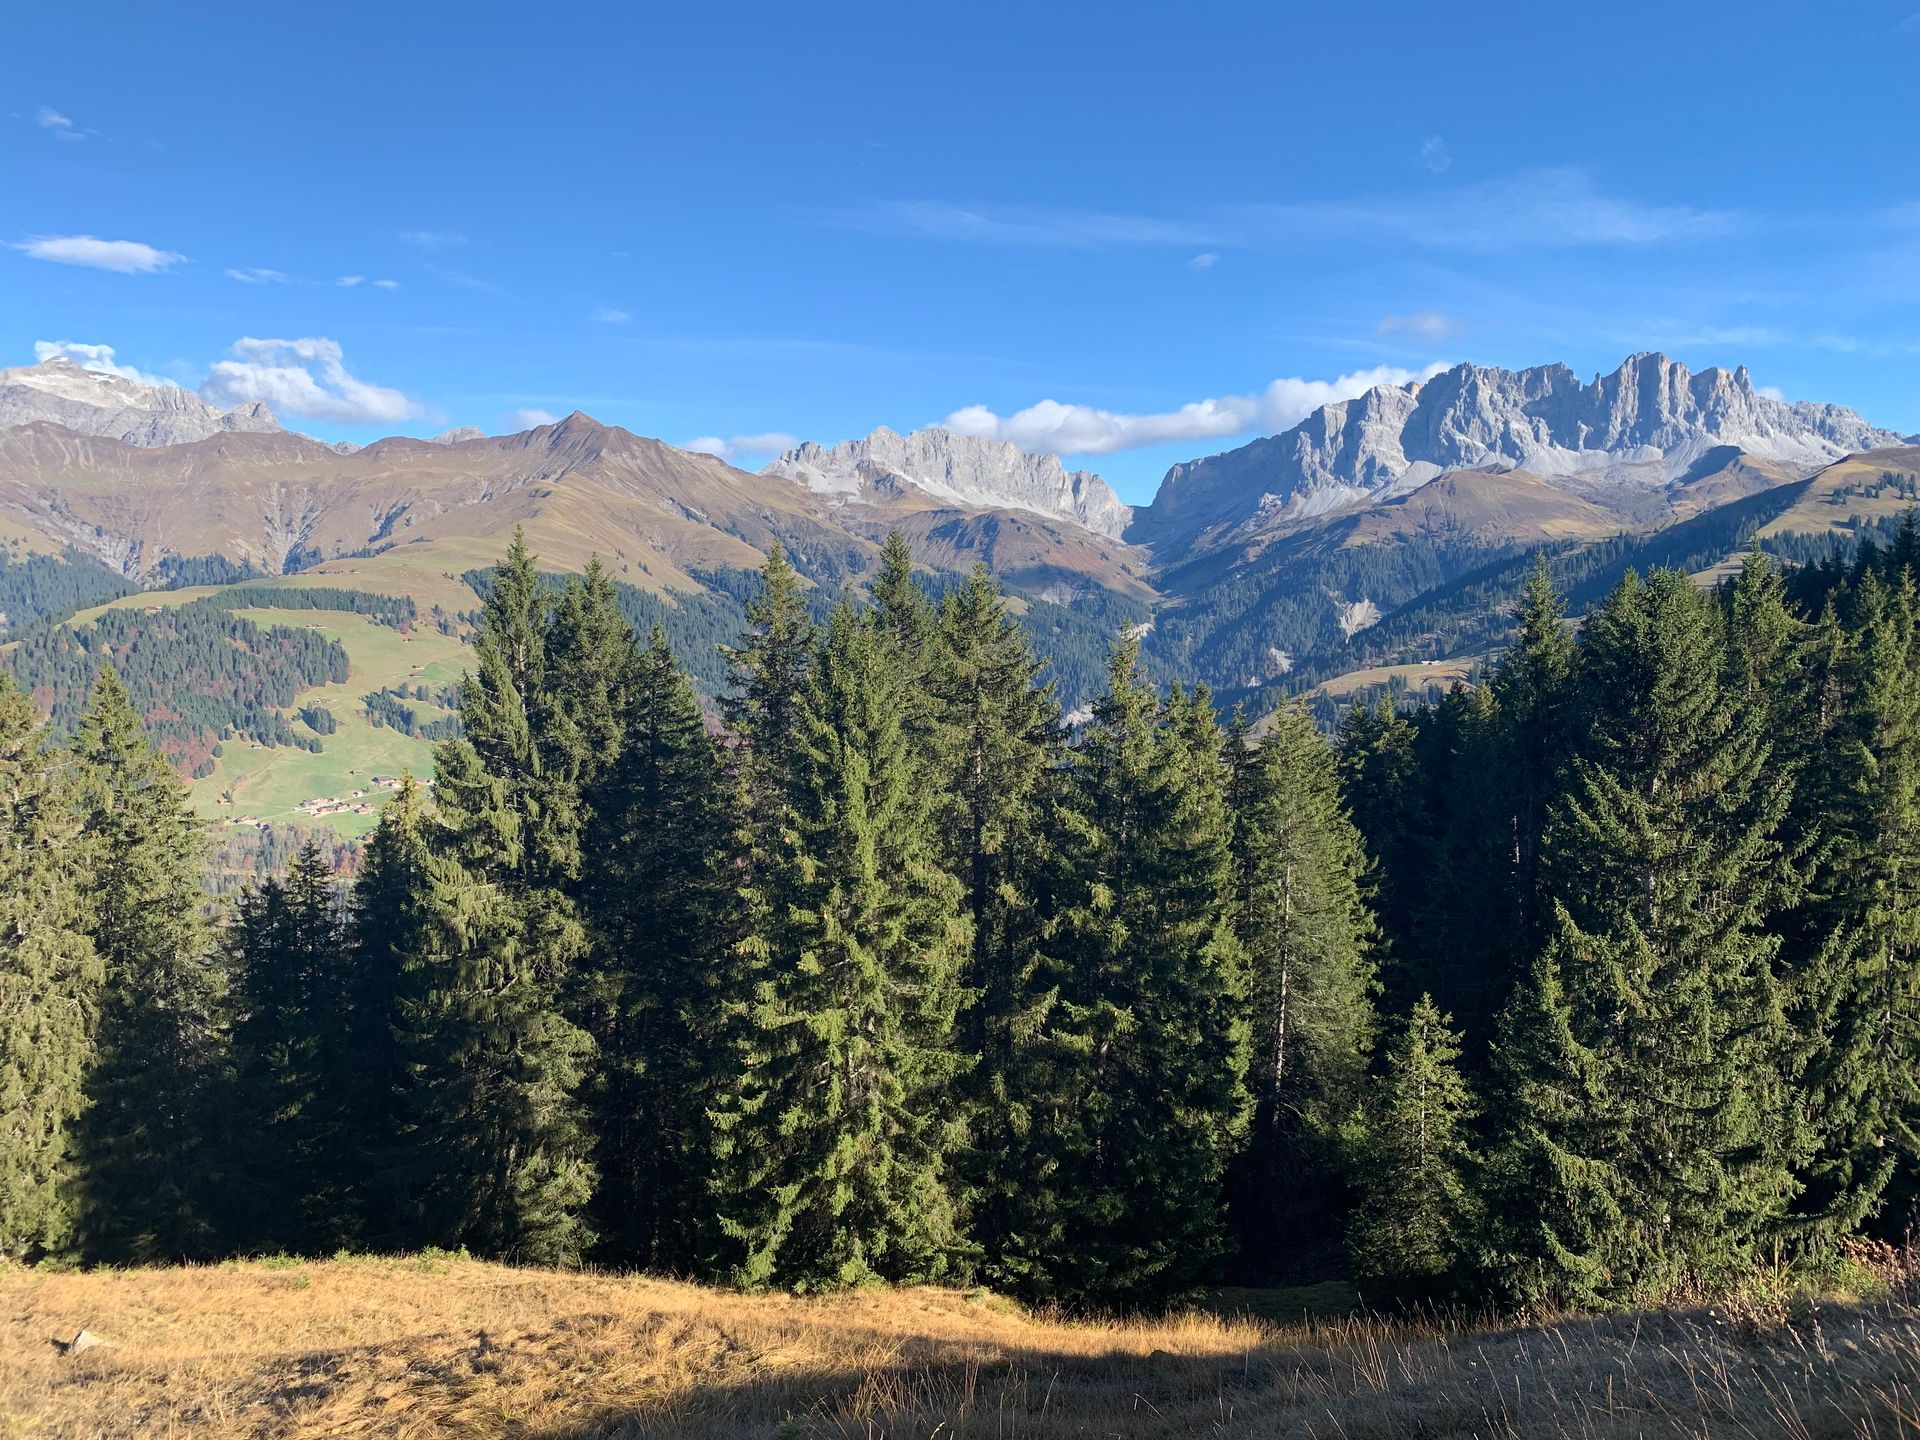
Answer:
(434, 1347)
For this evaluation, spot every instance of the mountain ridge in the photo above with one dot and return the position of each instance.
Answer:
(1644, 423)
(966, 470)
(119, 407)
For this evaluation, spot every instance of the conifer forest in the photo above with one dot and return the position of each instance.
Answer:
(1594, 985)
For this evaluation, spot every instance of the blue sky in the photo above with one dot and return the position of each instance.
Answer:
(1179, 225)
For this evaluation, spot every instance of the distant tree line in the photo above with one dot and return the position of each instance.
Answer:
(388, 709)
(1592, 985)
(197, 674)
(45, 589)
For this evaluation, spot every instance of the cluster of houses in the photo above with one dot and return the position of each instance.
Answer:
(355, 802)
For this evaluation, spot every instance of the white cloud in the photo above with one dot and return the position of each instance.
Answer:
(347, 282)
(433, 240)
(606, 315)
(128, 257)
(254, 275)
(1435, 155)
(92, 357)
(738, 447)
(50, 119)
(1061, 429)
(1771, 392)
(303, 377)
(1204, 262)
(387, 284)
(1429, 325)
(514, 421)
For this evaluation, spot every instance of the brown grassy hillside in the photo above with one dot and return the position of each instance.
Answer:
(437, 1347)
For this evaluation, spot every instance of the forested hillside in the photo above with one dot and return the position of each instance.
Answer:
(197, 674)
(1591, 986)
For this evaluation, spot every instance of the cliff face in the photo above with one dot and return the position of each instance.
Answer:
(114, 407)
(957, 469)
(1647, 422)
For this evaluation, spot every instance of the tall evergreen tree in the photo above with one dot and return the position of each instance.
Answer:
(1418, 1212)
(394, 930)
(151, 1167)
(1666, 856)
(49, 985)
(661, 897)
(1301, 918)
(591, 663)
(510, 815)
(998, 745)
(1556, 1233)
(1150, 1029)
(297, 1067)
(1533, 690)
(1856, 995)
(834, 1134)
(1386, 792)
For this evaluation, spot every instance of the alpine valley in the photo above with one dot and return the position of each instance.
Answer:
(291, 615)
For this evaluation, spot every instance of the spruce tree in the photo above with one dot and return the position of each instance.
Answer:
(1856, 994)
(1418, 1213)
(395, 928)
(1667, 859)
(296, 1059)
(49, 985)
(149, 1146)
(1301, 918)
(1556, 1233)
(1533, 693)
(997, 747)
(661, 899)
(768, 668)
(1386, 792)
(510, 816)
(1149, 1035)
(591, 661)
(834, 1132)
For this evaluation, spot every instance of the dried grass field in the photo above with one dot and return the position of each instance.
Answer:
(438, 1346)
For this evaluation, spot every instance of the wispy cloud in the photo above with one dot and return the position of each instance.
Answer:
(1430, 326)
(127, 257)
(606, 315)
(1435, 155)
(1559, 208)
(58, 125)
(433, 241)
(303, 377)
(1050, 426)
(1204, 261)
(349, 282)
(452, 277)
(92, 357)
(260, 276)
(742, 447)
(386, 284)
(1017, 225)
(527, 418)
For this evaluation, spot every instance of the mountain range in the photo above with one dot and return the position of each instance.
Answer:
(1245, 565)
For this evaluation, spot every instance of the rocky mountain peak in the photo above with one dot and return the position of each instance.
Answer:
(1646, 422)
(119, 407)
(962, 470)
